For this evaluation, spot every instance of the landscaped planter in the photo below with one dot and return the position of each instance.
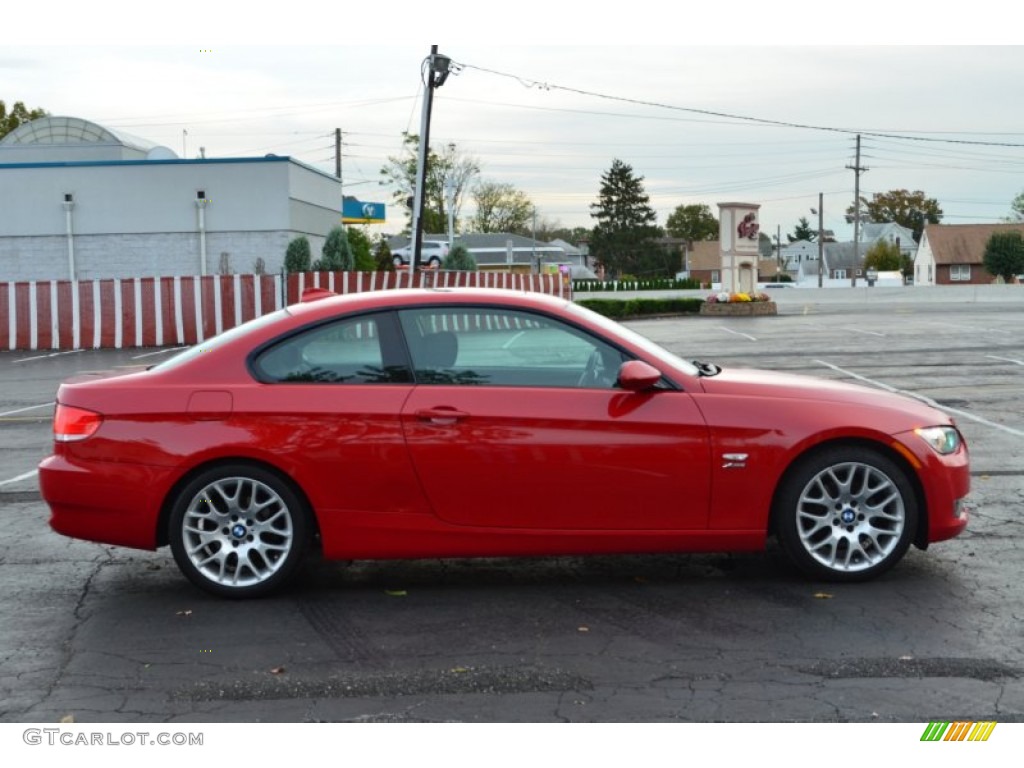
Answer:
(739, 308)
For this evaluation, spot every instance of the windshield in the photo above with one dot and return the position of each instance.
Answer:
(656, 351)
(222, 338)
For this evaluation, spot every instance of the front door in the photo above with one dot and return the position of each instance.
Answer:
(516, 422)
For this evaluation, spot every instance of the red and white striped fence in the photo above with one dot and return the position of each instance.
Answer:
(158, 311)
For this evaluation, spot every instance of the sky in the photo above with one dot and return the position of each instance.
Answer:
(742, 111)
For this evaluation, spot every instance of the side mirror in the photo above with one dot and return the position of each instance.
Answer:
(637, 376)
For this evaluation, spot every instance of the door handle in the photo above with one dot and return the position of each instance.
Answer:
(441, 415)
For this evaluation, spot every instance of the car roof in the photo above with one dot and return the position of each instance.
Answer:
(404, 297)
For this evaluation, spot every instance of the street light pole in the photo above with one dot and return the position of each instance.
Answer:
(437, 72)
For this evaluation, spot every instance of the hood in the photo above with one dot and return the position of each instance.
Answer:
(772, 384)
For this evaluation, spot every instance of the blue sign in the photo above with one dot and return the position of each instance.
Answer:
(357, 212)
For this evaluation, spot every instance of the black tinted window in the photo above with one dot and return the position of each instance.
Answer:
(348, 351)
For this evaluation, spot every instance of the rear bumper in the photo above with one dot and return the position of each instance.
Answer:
(106, 502)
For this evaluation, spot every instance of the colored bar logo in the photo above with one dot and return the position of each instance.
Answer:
(958, 731)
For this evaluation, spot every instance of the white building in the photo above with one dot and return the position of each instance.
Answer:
(81, 201)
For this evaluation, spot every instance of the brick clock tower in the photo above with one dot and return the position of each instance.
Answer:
(738, 230)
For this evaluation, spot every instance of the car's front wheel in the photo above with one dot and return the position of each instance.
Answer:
(398, 261)
(846, 514)
(238, 530)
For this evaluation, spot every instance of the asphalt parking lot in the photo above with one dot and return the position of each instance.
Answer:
(100, 633)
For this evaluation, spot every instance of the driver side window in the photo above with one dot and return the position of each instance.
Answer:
(492, 346)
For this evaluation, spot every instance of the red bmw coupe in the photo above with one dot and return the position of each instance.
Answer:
(457, 423)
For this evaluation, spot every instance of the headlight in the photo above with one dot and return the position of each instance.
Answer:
(944, 440)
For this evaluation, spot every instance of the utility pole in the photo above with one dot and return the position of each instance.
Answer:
(337, 171)
(778, 251)
(337, 153)
(821, 237)
(858, 170)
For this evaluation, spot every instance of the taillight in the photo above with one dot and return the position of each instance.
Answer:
(71, 424)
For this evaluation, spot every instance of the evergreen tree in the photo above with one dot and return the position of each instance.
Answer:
(625, 230)
(336, 254)
(459, 259)
(383, 260)
(297, 257)
(803, 231)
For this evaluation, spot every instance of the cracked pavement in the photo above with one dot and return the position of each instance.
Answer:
(108, 634)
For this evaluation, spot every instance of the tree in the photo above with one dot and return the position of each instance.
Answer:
(553, 230)
(803, 231)
(883, 256)
(625, 228)
(500, 207)
(361, 250)
(336, 254)
(297, 256)
(382, 257)
(19, 114)
(909, 209)
(450, 167)
(692, 223)
(1004, 255)
(459, 259)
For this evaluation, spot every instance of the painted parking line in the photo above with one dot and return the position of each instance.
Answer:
(158, 352)
(738, 333)
(970, 329)
(51, 354)
(19, 478)
(864, 330)
(924, 399)
(26, 408)
(1007, 359)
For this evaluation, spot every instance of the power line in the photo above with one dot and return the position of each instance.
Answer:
(529, 83)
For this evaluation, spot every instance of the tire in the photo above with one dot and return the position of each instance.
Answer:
(238, 531)
(398, 261)
(434, 263)
(846, 513)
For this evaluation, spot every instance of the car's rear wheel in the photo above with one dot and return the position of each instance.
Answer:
(238, 530)
(398, 261)
(434, 263)
(847, 513)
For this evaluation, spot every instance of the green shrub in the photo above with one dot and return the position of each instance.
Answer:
(617, 309)
(459, 259)
(336, 254)
(297, 256)
(652, 284)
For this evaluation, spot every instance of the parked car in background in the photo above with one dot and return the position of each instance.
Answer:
(432, 253)
(462, 423)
